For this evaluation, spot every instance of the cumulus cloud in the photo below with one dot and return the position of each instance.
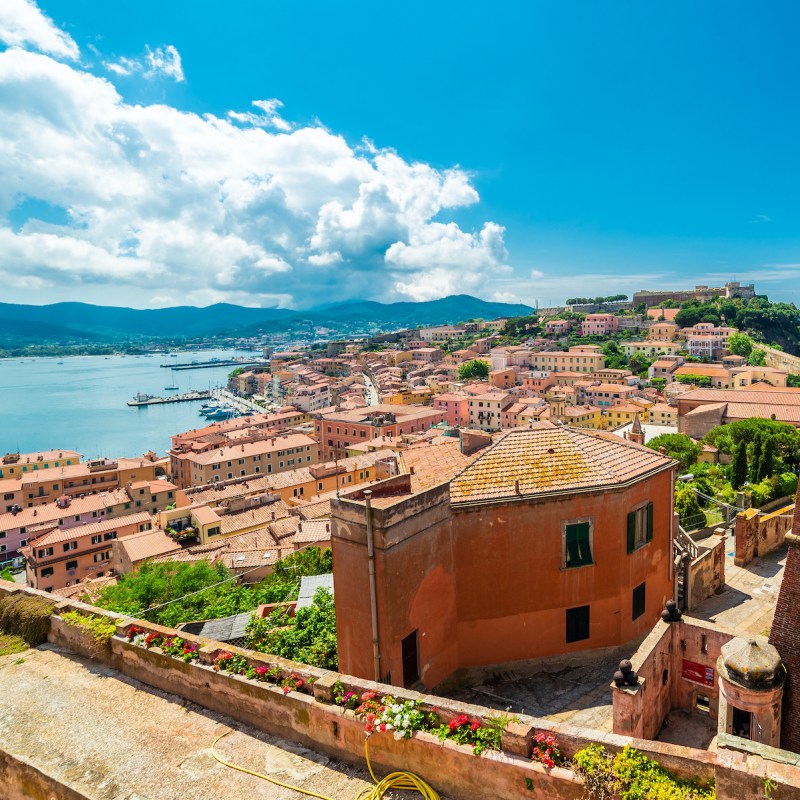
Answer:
(165, 60)
(162, 204)
(22, 24)
(268, 118)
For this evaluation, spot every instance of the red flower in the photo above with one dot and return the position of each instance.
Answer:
(453, 724)
(463, 719)
(475, 725)
(286, 690)
(368, 727)
(368, 696)
(299, 683)
(382, 726)
(370, 717)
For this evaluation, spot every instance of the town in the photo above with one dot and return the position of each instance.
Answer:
(551, 532)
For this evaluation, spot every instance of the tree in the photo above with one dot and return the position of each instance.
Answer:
(308, 637)
(755, 457)
(758, 358)
(686, 503)
(740, 344)
(678, 446)
(766, 463)
(739, 465)
(473, 369)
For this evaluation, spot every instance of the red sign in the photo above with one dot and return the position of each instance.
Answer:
(697, 673)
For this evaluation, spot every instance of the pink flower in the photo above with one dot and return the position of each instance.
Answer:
(286, 690)
(382, 726)
(368, 696)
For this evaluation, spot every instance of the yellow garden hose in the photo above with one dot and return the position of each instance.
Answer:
(406, 781)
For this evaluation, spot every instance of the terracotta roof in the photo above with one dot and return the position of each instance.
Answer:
(90, 588)
(229, 452)
(709, 370)
(78, 531)
(287, 526)
(546, 459)
(147, 544)
(315, 510)
(434, 462)
(50, 512)
(313, 530)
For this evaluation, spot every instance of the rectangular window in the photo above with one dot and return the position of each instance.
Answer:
(72, 565)
(577, 624)
(638, 601)
(577, 545)
(97, 539)
(98, 557)
(640, 527)
(110, 535)
(46, 572)
(70, 546)
(45, 552)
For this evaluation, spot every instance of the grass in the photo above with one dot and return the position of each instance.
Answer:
(26, 617)
(11, 643)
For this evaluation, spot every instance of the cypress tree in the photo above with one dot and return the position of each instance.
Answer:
(758, 446)
(766, 464)
(739, 465)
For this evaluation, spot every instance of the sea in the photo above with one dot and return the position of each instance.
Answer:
(79, 402)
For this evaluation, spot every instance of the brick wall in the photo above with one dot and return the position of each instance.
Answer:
(785, 636)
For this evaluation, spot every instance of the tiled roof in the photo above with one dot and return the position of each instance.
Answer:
(78, 531)
(313, 530)
(434, 462)
(89, 589)
(315, 510)
(547, 458)
(147, 544)
(280, 441)
(286, 527)
(50, 511)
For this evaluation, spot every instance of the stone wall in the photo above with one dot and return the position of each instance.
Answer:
(309, 718)
(758, 534)
(780, 360)
(707, 573)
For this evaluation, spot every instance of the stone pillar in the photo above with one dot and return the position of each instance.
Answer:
(751, 679)
(785, 636)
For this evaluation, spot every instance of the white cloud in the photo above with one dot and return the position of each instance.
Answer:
(268, 118)
(166, 205)
(164, 60)
(23, 24)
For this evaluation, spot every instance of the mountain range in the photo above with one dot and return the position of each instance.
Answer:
(71, 323)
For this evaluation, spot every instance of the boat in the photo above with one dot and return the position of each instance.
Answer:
(171, 388)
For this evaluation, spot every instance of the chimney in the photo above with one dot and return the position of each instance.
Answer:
(785, 637)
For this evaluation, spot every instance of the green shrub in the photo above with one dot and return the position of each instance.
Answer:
(101, 629)
(787, 484)
(633, 776)
(26, 616)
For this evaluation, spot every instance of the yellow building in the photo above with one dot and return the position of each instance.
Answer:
(581, 358)
(410, 397)
(651, 349)
(14, 465)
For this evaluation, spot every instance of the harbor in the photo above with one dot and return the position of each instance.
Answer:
(152, 400)
(213, 363)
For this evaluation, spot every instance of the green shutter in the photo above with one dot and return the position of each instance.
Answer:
(649, 522)
(583, 543)
(631, 531)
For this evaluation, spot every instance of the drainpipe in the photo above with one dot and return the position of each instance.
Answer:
(373, 601)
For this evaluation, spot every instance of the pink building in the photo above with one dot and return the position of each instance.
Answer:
(599, 325)
(456, 406)
(557, 327)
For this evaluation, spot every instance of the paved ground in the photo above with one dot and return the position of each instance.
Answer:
(689, 729)
(574, 688)
(116, 739)
(748, 603)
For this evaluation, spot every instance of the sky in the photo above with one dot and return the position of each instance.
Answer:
(295, 154)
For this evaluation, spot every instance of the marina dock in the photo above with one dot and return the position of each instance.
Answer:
(150, 400)
(210, 364)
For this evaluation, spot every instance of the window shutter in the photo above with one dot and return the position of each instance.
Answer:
(631, 531)
(583, 543)
(649, 522)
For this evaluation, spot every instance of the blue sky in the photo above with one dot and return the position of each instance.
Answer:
(525, 151)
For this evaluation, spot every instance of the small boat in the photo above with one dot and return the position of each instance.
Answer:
(171, 388)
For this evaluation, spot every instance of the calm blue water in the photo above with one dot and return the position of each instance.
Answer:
(80, 404)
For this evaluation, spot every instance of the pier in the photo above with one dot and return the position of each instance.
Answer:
(210, 364)
(241, 404)
(150, 400)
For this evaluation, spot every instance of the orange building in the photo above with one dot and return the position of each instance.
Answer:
(553, 540)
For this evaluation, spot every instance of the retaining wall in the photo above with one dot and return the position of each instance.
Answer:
(309, 717)
(758, 534)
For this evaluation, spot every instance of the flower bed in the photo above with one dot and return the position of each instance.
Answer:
(169, 645)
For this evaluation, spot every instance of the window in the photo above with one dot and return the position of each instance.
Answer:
(577, 547)
(213, 531)
(638, 601)
(45, 552)
(110, 535)
(577, 624)
(72, 565)
(640, 527)
(3, 548)
(46, 572)
(98, 557)
(97, 539)
(70, 546)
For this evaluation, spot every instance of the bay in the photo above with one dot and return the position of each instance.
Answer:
(78, 402)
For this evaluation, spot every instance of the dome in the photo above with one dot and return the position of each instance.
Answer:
(752, 663)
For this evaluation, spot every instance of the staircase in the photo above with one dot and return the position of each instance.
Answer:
(682, 545)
